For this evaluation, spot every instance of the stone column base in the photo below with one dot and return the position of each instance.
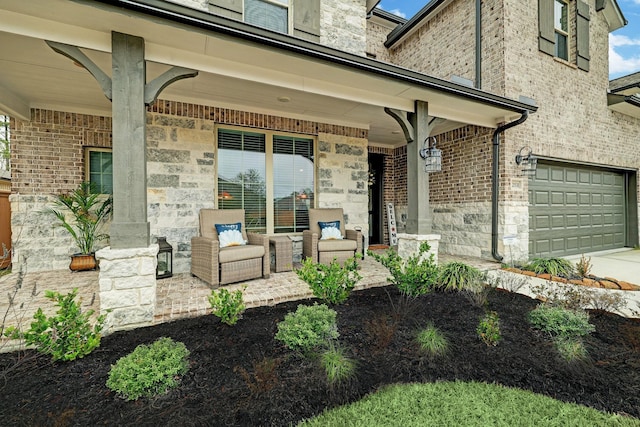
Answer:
(127, 286)
(409, 245)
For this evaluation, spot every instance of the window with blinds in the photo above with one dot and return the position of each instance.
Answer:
(269, 14)
(270, 176)
(242, 176)
(99, 169)
(293, 183)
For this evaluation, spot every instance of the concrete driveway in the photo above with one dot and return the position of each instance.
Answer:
(621, 264)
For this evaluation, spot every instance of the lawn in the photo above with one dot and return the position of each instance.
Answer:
(241, 375)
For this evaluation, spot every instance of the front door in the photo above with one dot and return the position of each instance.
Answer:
(376, 205)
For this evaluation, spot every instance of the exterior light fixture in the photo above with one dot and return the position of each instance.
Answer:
(527, 161)
(431, 155)
(165, 259)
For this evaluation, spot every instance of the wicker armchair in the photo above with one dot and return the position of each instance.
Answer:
(325, 251)
(220, 266)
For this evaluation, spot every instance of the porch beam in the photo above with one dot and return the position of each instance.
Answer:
(13, 105)
(155, 86)
(402, 118)
(129, 228)
(78, 57)
(419, 220)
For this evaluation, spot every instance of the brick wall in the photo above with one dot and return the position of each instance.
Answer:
(180, 172)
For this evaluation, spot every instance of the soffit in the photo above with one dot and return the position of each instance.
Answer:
(234, 73)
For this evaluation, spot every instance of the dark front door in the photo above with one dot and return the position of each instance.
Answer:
(376, 205)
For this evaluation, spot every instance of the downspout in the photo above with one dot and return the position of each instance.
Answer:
(495, 183)
(478, 44)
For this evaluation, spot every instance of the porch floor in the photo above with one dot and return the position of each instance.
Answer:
(177, 297)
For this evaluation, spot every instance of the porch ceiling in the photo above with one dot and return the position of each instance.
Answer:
(233, 72)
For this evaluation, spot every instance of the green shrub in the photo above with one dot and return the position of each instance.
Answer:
(553, 266)
(337, 365)
(308, 328)
(560, 322)
(331, 283)
(458, 276)
(432, 341)
(416, 276)
(489, 328)
(66, 336)
(149, 370)
(227, 306)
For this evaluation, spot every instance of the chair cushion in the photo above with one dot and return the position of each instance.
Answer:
(337, 245)
(240, 253)
(330, 230)
(230, 235)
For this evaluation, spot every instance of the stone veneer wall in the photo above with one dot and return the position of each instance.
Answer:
(180, 173)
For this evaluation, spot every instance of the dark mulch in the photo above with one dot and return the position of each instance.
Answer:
(223, 389)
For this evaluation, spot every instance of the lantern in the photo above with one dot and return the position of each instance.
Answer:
(164, 268)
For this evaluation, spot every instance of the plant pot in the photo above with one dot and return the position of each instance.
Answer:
(82, 262)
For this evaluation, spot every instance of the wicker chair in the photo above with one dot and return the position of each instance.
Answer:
(325, 251)
(220, 266)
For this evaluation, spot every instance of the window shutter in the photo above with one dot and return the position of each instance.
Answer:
(306, 18)
(547, 37)
(582, 35)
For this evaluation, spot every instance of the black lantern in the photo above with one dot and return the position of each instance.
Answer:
(164, 268)
(527, 161)
(431, 155)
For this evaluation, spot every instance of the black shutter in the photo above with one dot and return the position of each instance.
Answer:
(547, 36)
(582, 35)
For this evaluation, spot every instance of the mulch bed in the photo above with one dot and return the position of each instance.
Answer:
(225, 385)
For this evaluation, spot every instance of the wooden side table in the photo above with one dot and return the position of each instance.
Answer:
(282, 250)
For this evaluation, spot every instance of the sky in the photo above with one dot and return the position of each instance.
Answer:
(624, 44)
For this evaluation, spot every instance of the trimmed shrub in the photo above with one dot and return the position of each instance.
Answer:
(309, 327)
(228, 306)
(331, 283)
(149, 370)
(561, 322)
(66, 336)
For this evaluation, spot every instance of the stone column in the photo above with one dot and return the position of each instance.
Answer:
(127, 286)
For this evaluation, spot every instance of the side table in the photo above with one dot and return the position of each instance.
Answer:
(281, 248)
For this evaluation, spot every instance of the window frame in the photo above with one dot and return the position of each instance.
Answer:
(87, 162)
(269, 170)
(562, 32)
(288, 6)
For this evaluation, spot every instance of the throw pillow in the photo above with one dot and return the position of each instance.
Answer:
(230, 235)
(330, 230)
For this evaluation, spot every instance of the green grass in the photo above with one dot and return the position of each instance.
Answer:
(463, 404)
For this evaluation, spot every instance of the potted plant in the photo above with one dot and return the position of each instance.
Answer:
(83, 213)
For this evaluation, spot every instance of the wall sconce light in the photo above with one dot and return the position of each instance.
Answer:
(527, 161)
(431, 155)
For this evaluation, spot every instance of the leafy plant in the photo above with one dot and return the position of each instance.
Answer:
(150, 369)
(331, 283)
(336, 364)
(228, 306)
(489, 328)
(432, 341)
(309, 327)
(88, 210)
(552, 266)
(583, 266)
(458, 276)
(560, 322)
(66, 336)
(417, 276)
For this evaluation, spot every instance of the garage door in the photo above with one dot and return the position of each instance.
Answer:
(575, 209)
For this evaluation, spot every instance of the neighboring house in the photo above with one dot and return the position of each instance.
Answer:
(283, 105)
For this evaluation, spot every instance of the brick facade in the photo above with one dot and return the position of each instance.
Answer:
(181, 172)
